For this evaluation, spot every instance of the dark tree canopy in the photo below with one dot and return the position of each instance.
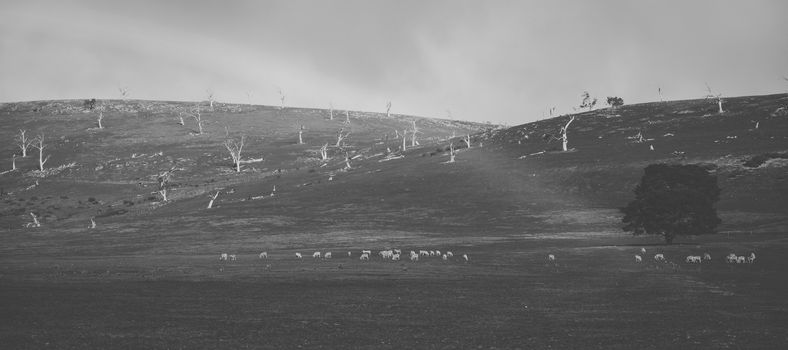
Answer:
(673, 200)
(615, 101)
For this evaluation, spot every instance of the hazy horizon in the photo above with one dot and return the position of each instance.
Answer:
(500, 61)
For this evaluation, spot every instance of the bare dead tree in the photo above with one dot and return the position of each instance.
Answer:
(717, 97)
(124, 92)
(564, 138)
(414, 131)
(300, 135)
(347, 116)
(211, 99)
(180, 118)
(347, 161)
(235, 148)
(282, 99)
(659, 91)
(24, 142)
(213, 198)
(388, 109)
(13, 162)
(324, 152)
(164, 180)
(404, 137)
(38, 143)
(99, 118)
(451, 153)
(341, 136)
(198, 118)
(330, 111)
(467, 140)
(92, 222)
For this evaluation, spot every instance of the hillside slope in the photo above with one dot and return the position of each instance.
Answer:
(512, 181)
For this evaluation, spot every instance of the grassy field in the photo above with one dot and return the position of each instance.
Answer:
(148, 276)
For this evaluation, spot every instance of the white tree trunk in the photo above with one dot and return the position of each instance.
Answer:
(13, 163)
(163, 193)
(347, 161)
(467, 140)
(324, 152)
(388, 109)
(564, 138)
(330, 111)
(235, 148)
(100, 117)
(300, 135)
(40, 147)
(451, 153)
(347, 116)
(24, 142)
(413, 141)
(404, 147)
(35, 222)
(213, 198)
(719, 104)
(92, 223)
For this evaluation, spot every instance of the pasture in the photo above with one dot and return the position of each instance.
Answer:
(506, 296)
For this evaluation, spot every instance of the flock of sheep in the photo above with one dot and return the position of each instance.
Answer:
(731, 258)
(364, 255)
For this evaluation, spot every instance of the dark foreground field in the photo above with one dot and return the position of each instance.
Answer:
(506, 296)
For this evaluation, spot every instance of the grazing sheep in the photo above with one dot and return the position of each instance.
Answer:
(223, 256)
(232, 257)
(298, 255)
(264, 255)
(432, 253)
(349, 254)
(741, 259)
(643, 251)
(327, 255)
(449, 254)
(316, 255)
(730, 258)
(638, 259)
(551, 258)
(364, 256)
(465, 256)
(414, 257)
(707, 256)
(444, 257)
(424, 253)
(437, 253)
(659, 257)
(397, 251)
(751, 258)
(395, 257)
(693, 259)
(368, 252)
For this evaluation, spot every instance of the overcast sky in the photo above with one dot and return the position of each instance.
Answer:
(500, 61)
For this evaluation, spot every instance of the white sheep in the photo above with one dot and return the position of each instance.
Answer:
(298, 255)
(414, 257)
(707, 256)
(465, 256)
(551, 258)
(232, 257)
(368, 252)
(316, 255)
(444, 257)
(349, 254)
(327, 255)
(424, 253)
(223, 256)
(659, 257)
(693, 259)
(432, 253)
(751, 258)
(741, 259)
(731, 258)
(643, 251)
(638, 259)
(364, 256)
(264, 255)
(397, 251)
(449, 254)
(395, 257)
(437, 253)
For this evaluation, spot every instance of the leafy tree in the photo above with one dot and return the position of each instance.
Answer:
(615, 101)
(673, 200)
(588, 102)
